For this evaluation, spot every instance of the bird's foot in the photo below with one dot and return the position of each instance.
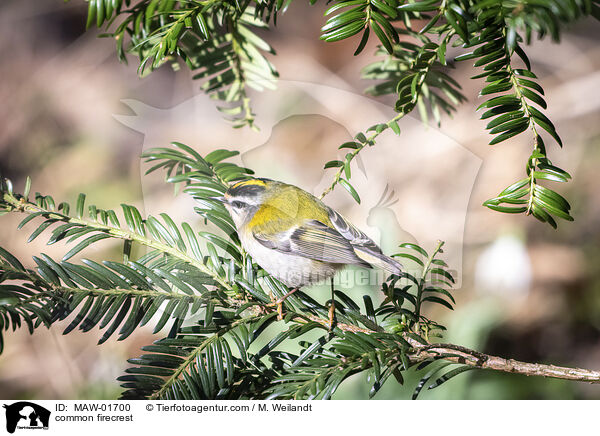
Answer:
(279, 303)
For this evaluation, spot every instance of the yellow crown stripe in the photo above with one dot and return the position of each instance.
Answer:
(251, 182)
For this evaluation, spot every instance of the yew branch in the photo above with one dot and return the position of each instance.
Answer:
(466, 356)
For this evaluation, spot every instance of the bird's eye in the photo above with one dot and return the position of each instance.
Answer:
(237, 204)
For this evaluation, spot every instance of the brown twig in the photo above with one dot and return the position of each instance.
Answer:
(466, 356)
(470, 357)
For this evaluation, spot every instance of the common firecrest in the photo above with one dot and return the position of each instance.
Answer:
(294, 236)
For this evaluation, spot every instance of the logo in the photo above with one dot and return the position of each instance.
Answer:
(26, 415)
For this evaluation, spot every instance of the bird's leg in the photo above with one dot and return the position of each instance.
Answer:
(279, 303)
(332, 308)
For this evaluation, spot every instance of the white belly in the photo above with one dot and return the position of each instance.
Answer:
(294, 271)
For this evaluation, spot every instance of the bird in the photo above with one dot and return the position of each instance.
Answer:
(297, 238)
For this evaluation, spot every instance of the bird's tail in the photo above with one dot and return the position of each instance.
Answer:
(379, 260)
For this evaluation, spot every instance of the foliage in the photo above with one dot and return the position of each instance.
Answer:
(214, 304)
(209, 296)
(218, 39)
(513, 112)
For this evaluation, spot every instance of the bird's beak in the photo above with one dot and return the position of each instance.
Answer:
(220, 199)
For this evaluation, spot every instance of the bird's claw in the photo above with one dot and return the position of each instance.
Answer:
(279, 303)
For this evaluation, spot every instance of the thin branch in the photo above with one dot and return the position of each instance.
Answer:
(466, 356)
(422, 72)
(474, 358)
(52, 290)
(192, 356)
(368, 141)
(116, 232)
(422, 284)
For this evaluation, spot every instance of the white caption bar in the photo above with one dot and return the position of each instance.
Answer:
(249, 418)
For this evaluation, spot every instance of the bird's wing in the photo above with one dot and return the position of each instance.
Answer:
(363, 246)
(351, 233)
(313, 240)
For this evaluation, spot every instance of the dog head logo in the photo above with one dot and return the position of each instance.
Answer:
(26, 415)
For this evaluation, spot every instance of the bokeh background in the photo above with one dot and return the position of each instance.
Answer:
(527, 291)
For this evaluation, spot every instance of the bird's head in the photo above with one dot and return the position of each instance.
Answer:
(279, 204)
(244, 198)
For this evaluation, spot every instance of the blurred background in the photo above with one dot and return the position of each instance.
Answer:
(77, 120)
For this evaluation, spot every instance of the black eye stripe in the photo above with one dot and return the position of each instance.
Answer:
(237, 204)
